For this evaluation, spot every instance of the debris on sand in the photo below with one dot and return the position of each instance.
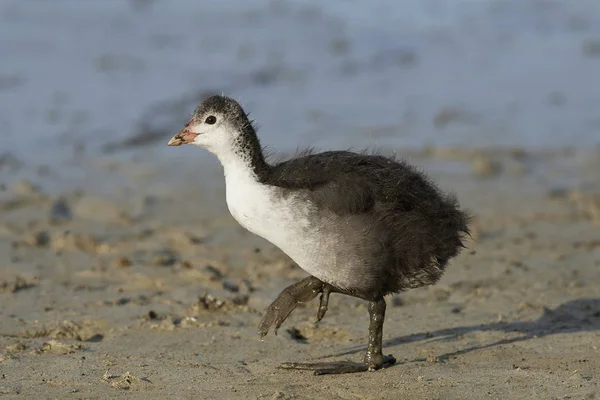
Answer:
(17, 347)
(18, 283)
(196, 313)
(215, 273)
(9, 389)
(59, 348)
(208, 302)
(123, 382)
(38, 239)
(12, 349)
(86, 331)
(139, 300)
(232, 287)
(60, 211)
(165, 258)
(71, 241)
(152, 315)
(122, 262)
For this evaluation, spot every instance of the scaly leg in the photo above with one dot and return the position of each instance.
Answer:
(300, 292)
(374, 358)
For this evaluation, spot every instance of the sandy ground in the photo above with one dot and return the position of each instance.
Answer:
(153, 291)
(123, 275)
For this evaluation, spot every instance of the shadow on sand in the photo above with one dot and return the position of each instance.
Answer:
(579, 315)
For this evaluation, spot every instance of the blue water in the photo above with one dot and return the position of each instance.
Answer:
(402, 73)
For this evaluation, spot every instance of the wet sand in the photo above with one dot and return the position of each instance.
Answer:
(135, 282)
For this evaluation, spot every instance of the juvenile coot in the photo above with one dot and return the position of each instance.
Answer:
(361, 225)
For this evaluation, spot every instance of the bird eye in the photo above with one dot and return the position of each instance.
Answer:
(211, 119)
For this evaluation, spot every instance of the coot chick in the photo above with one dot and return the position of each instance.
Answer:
(361, 225)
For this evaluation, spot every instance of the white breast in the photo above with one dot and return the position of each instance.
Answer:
(282, 220)
(258, 208)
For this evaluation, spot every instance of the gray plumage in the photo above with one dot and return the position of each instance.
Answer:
(395, 220)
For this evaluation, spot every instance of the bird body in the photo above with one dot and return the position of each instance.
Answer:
(364, 225)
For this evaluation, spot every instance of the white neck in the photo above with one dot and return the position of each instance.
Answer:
(233, 158)
(237, 167)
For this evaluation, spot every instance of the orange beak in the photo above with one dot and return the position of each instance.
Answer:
(183, 137)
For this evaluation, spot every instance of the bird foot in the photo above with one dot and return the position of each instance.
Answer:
(287, 301)
(339, 367)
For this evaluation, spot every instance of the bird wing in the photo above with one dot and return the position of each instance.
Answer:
(341, 182)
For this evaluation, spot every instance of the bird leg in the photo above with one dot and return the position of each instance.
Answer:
(300, 292)
(374, 358)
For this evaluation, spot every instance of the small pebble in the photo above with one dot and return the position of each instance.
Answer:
(249, 285)
(60, 211)
(232, 287)
(195, 239)
(214, 272)
(39, 239)
(165, 258)
(123, 262)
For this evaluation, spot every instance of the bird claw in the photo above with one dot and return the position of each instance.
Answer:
(323, 302)
(275, 316)
(320, 314)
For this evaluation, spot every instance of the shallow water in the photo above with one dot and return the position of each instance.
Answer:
(83, 75)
